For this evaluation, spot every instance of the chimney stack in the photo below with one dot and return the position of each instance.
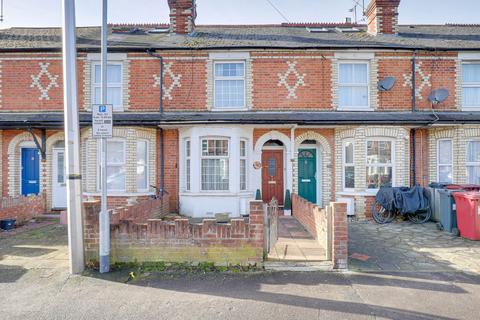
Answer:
(182, 16)
(382, 17)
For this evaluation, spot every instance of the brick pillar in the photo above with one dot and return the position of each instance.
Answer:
(257, 226)
(382, 17)
(90, 232)
(339, 235)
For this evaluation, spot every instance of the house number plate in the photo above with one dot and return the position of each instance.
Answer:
(272, 182)
(306, 180)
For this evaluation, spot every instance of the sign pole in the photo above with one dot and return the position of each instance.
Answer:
(104, 219)
(72, 137)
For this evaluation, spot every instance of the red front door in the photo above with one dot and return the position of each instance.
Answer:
(272, 175)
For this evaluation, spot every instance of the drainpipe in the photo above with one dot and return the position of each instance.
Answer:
(162, 145)
(414, 109)
(292, 148)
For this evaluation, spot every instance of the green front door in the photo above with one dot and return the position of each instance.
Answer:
(307, 170)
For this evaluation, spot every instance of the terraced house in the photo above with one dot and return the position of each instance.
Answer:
(212, 113)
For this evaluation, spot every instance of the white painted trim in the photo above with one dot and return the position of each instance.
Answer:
(229, 55)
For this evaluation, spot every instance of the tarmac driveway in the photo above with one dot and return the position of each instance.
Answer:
(403, 246)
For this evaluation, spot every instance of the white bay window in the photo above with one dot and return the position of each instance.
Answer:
(215, 165)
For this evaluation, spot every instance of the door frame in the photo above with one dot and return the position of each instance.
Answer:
(29, 145)
(53, 176)
(284, 156)
(318, 174)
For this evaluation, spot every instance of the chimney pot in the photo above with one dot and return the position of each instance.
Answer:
(382, 17)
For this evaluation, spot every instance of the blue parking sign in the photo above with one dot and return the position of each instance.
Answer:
(102, 108)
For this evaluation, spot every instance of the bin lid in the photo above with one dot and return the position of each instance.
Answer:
(466, 187)
(437, 185)
(472, 195)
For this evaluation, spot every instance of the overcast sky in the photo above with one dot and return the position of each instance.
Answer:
(48, 12)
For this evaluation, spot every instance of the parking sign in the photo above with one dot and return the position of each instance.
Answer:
(102, 121)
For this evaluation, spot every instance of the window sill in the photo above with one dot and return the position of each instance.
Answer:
(119, 194)
(470, 108)
(353, 109)
(358, 193)
(216, 194)
(229, 109)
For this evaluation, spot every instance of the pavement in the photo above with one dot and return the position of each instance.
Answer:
(295, 243)
(35, 284)
(403, 246)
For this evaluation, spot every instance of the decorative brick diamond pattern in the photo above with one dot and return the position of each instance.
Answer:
(176, 80)
(51, 84)
(283, 79)
(424, 78)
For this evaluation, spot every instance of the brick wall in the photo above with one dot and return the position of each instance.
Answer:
(238, 242)
(22, 208)
(328, 226)
(283, 82)
(312, 217)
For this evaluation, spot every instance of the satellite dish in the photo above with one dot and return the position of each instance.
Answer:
(438, 96)
(386, 83)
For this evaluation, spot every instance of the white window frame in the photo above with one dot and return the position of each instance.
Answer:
(468, 163)
(147, 166)
(243, 158)
(244, 78)
(443, 164)
(469, 85)
(202, 157)
(120, 85)
(188, 165)
(368, 107)
(99, 159)
(345, 165)
(392, 164)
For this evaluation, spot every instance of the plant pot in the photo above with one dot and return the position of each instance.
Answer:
(7, 224)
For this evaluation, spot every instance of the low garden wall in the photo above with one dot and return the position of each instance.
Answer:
(135, 238)
(22, 208)
(329, 226)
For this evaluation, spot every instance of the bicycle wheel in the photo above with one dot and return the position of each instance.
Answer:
(420, 217)
(381, 215)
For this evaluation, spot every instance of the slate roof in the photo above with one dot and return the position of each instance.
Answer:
(55, 119)
(440, 37)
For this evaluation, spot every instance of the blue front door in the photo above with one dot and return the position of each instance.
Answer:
(30, 171)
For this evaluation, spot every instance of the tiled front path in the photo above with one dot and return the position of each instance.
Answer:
(295, 243)
(402, 246)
